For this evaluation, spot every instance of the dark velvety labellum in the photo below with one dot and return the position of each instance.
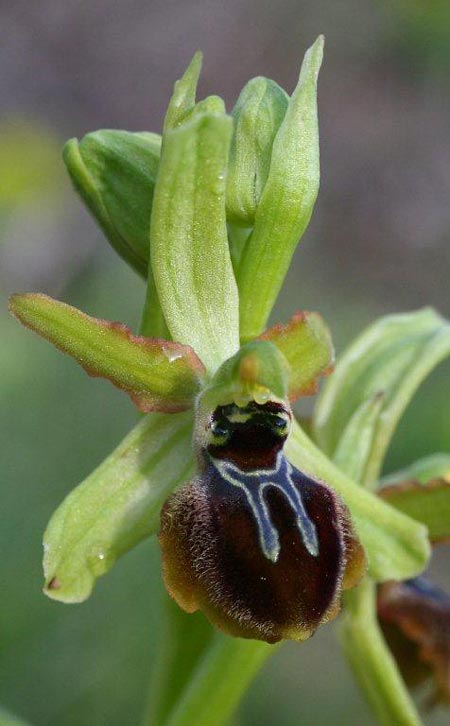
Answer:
(256, 544)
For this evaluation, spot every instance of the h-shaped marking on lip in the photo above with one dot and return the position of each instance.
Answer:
(253, 484)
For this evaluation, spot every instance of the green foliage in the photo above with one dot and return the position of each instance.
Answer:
(217, 207)
(355, 419)
(385, 365)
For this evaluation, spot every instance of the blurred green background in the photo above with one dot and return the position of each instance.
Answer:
(378, 243)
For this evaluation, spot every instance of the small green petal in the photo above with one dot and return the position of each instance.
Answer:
(305, 342)
(286, 203)
(189, 246)
(386, 363)
(158, 375)
(117, 506)
(257, 115)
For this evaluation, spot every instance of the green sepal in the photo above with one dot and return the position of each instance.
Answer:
(158, 375)
(114, 173)
(426, 501)
(189, 246)
(117, 506)
(384, 365)
(258, 372)
(306, 344)
(286, 203)
(257, 116)
(397, 547)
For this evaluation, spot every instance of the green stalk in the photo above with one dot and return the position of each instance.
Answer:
(220, 680)
(371, 661)
(183, 641)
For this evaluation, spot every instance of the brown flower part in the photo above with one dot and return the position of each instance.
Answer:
(416, 619)
(258, 546)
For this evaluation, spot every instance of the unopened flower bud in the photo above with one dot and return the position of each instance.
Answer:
(114, 172)
(257, 115)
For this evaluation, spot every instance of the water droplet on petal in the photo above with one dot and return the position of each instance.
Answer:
(172, 354)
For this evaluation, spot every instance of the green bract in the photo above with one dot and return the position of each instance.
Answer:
(210, 215)
(184, 93)
(287, 201)
(198, 296)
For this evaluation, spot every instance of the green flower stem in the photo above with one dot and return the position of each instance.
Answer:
(219, 681)
(371, 660)
(183, 641)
